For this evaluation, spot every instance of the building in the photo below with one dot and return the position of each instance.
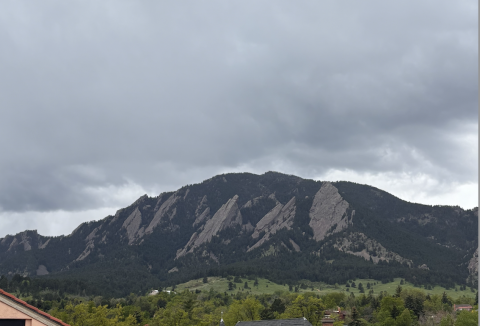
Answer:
(331, 314)
(460, 307)
(276, 322)
(328, 321)
(16, 312)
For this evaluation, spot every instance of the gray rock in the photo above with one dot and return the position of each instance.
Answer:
(42, 270)
(373, 249)
(227, 216)
(132, 226)
(295, 245)
(328, 211)
(473, 267)
(43, 245)
(278, 218)
(162, 212)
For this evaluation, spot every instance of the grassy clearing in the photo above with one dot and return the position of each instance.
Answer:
(265, 286)
(221, 285)
(390, 288)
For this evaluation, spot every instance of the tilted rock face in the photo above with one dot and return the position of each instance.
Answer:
(162, 212)
(24, 241)
(370, 249)
(227, 216)
(132, 226)
(43, 245)
(278, 218)
(86, 252)
(202, 217)
(328, 211)
(202, 212)
(473, 267)
(90, 239)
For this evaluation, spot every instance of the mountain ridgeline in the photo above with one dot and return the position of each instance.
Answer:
(277, 226)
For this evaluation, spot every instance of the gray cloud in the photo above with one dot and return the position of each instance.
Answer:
(98, 95)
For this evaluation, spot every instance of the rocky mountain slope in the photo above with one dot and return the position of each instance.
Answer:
(273, 225)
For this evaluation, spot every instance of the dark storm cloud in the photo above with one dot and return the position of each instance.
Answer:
(97, 95)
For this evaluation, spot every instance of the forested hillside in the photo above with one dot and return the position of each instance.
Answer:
(276, 226)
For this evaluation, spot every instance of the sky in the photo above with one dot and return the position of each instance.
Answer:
(104, 101)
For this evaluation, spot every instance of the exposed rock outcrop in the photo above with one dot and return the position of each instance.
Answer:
(88, 249)
(473, 267)
(359, 244)
(227, 216)
(132, 226)
(328, 213)
(278, 218)
(163, 211)
(202, 212)
(42, 270)
(25, 240)
(90, 239)
(202, 217)
(43, 245)
(296, 247)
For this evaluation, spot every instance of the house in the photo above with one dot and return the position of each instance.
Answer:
(16, 312)
(460, 307)
(331, 314)
(327, 321)
(275, 322)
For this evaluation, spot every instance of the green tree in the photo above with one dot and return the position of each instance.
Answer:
(360, 288)
(447, 321)
(278, 306)
(467, 318)
(246, 310)
(305, 305)
(172, 316)
(398, 291)
(355, 318)
(404, 319)
(390, 308)
(267, 314)
(446, 300)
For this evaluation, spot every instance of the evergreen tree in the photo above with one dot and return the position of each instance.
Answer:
(267, 314)
(278, 306)
(360, 288)
(398, 291)
(355, 318)
(446, 300)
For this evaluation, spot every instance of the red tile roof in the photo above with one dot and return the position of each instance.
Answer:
(38, 311)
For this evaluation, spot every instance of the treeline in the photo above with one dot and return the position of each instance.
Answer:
(405, 307)
(330, 267)
(69, 301)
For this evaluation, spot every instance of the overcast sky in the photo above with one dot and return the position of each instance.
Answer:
(104, 101)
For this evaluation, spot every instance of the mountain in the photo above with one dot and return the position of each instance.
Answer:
(273, 225)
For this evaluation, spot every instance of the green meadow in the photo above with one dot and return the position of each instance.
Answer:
(265, 286)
